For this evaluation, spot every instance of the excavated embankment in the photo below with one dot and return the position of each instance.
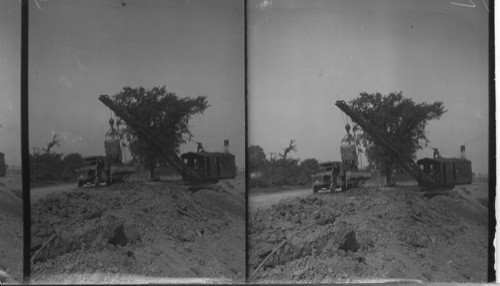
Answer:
(11, 229)
(150, 229)
(371, 233)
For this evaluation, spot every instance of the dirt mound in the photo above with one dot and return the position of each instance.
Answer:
(361, 234)
(11, 229)
(153, 229)
(10, 203)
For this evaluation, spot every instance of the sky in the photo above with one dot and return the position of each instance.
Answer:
(10, 81)
(305, 55)
(79, 50)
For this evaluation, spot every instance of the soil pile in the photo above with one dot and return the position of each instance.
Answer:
(370, 233)
(10, 202)
(150, 229)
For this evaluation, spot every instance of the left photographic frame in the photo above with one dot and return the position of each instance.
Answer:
(11, 186)
(136, 133)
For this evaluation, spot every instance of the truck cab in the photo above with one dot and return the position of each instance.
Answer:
(327, 176)
(92, 171)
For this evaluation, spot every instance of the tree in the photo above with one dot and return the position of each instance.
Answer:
(70, 163)
(291, 148)
(307, 168)
(256, 159)
(286, 167)
(44, 163)
(279, 169)
(166, 115)
(401, 119)
(54, 143)
(258, 167)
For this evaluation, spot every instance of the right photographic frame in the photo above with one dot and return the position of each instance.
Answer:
(369, 144)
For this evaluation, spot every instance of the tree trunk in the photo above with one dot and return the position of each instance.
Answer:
(283, 173)
(388, 173)
(152, 167)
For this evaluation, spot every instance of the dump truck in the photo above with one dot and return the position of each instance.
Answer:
(97, 170)
(344, 174)
(333, 175)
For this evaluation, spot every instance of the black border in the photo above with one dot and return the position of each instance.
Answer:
(245, 28)
(25, 159)
(492, 148)
(25, 143)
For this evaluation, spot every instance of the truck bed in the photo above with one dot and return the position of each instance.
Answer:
(123, 169)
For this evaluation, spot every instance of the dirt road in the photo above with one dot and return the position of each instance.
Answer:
(235, 186)
(265, 200)
(41, 192)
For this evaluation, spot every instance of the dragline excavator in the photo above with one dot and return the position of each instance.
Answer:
(404, 160)
(194, 167)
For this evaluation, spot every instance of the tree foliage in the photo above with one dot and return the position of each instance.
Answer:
(166, 115)
(292, 147)
(288, 166)
(307, 168)
(47, 165)
(70, 163)
(279, 169)
(401, 119)
(54, 143)
(256, 159)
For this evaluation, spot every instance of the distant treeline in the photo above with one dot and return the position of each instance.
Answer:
(50, 166)
(279, 169)
(47, 165)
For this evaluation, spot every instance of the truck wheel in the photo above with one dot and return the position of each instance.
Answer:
(80, 184)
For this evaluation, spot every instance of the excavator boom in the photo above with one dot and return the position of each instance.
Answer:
(155, 144)
(405, 161)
